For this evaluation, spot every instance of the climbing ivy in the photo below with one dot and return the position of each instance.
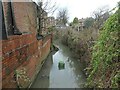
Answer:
(104, 68)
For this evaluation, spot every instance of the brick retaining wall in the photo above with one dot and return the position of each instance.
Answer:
(22, 51)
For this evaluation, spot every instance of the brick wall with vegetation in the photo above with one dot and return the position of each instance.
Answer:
(22, 51)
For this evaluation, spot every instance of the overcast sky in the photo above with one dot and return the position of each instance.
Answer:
(82, 8)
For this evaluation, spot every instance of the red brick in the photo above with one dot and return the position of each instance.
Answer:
(33, 46)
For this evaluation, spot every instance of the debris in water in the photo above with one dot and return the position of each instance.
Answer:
(45, 76)
(61, 65)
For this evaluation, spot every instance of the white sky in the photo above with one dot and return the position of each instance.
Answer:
(82, 8)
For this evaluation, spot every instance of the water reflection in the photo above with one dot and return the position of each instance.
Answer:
(51, 77)
(42, 80)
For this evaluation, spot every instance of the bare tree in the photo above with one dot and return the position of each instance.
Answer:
(100, 15)
(62, 16)
(48, 6)
(44, 8)
(119, 11)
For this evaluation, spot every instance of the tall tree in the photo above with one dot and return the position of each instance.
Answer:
(89, 22)
(47, 6)
(75, 20)
(100, 15)
(119, 12)
(62, 16)
(44, 8)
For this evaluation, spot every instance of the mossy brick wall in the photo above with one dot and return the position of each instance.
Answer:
(22, 51)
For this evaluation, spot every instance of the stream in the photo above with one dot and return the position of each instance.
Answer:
(50, 76)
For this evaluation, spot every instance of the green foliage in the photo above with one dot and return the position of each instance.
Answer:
(119, 12)
(75, 21)
(116, 80)
(70, 24)
(51, 29)
(76, 41)
(89, 22)
(105, 63)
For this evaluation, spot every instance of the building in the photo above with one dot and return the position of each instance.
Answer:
(21, 53)
(44, 22)
(18, 18)
(80, 25)
(51, 22)
(41, 20)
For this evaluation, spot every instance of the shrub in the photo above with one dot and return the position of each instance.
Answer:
(73, 40)
(104, 68)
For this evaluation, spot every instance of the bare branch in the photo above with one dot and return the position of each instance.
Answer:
(48, 7)
(63, 17)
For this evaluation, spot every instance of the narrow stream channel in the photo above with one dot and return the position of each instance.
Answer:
(51, 77)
